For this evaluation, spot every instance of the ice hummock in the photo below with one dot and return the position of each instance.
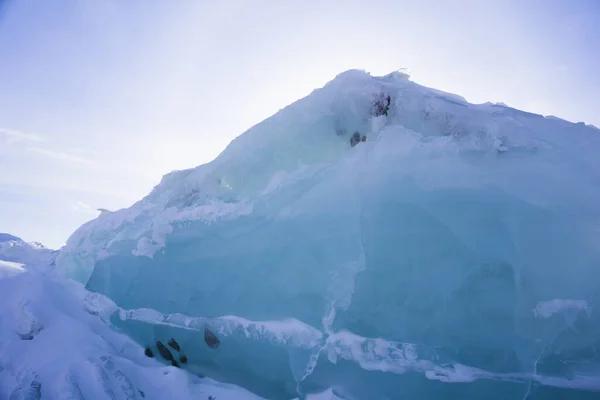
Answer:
(453, 254)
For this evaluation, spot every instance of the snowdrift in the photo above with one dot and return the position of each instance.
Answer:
(57, 342)
(16, 250)
(454, 254)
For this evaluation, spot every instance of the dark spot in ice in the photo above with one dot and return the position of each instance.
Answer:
(210, 339)
(212, 398)
(174, 344)
(35, 390)
(174, 363)
(183, 359)
(148, 352)
(164, 352)
(141, 393)
(355, 139)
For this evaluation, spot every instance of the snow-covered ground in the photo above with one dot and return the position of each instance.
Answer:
(13, 248)
(56, 343)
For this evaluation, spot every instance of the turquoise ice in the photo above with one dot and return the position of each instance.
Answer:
(454, 254)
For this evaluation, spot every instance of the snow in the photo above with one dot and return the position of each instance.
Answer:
(5, 237)
(8, 268)
(56, 342)
(15, 249)
(454, 254)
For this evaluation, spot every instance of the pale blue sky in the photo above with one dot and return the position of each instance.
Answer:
(100, 98)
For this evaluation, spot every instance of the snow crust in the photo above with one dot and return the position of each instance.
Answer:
(421, 263)
(8, 269)
(15, 249)
(57, 342)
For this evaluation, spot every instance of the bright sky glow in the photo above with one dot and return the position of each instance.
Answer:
(100, 98)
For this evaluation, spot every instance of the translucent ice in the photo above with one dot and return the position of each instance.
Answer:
(455, 253)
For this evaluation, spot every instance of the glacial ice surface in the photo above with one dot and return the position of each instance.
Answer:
(454, 254)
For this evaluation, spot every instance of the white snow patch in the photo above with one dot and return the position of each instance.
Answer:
(9, 269)
(374, 354)
(161, 226)
(53, 335)
(288, 331)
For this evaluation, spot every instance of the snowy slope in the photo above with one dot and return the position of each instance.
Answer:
(454, 253)
(15, 249)
(56, 342)
(6, 237)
